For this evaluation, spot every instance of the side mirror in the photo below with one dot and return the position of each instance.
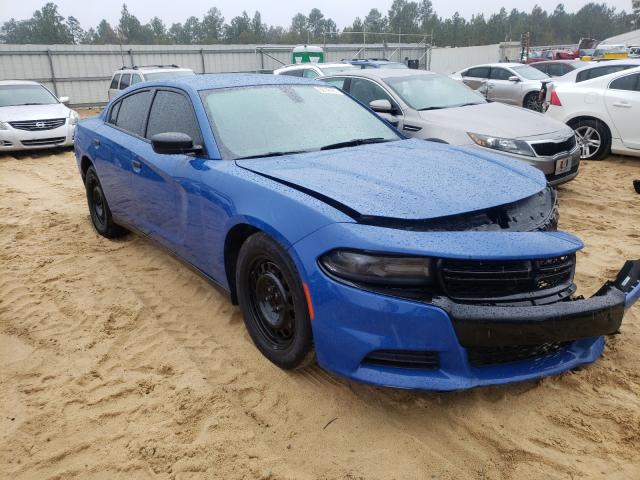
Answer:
(174, 143)
(64, 99)
(514, 79)
(381, 106)
(392, 119)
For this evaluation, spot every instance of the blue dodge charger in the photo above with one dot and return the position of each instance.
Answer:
(390, 261)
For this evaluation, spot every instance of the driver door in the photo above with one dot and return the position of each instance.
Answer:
(366, 91)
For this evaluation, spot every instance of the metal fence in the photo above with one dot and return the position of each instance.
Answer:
(83, 72)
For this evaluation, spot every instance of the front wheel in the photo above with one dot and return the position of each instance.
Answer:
(532, 102)
(273, 302)
(593, 139)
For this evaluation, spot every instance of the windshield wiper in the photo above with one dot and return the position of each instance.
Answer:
(271, 154)
(20, 105)
(468, 104)
(431, 108)
(354, 143)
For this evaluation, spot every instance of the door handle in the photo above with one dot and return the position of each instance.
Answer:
(622, 105)
(136, 165)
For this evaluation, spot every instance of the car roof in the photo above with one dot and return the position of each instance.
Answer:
(370, 61)
(564, 60)
(319, 65)
(497, 64)
(382, 73)
(216, 81)
(18, 82)
(151, 69)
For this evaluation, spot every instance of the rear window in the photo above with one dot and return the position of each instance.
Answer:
(126, 81)
(115, 81)
(133, 111)
(293, 73)
(600, 71)
(628, 82)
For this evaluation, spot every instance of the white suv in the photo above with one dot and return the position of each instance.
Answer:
(127, 76)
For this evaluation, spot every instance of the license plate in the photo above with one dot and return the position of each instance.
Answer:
(563, 165)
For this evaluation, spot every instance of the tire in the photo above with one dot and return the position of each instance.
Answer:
(532, 102)
(99, 209)
(594, 139)
(273, 303)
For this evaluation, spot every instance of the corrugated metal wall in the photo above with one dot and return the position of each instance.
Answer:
(83, 72)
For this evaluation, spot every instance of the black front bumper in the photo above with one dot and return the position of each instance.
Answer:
(565, 321)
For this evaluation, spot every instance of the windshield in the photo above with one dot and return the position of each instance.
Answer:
(427, 92)
(168, 74)
(13, 95)
(530, 73)
(270, 119)
(337, 69)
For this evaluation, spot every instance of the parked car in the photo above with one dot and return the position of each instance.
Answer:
(551, 54)
(590, 71)
(313, 70)
(511, 83)
(400, 262)
(634, 52)
(365, 63)
(558, 68)
(434, 107)
(32, 117)
(610, 52)
(603, 111)
(127, 76)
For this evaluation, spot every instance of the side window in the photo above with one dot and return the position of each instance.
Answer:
(113, 114)
(115, 81)
(500, 74)
(126, 81)
(599, 72)
(556, 69)
(309, 73)
(173, 112)
(542, 67)
(293, 73)
(135, 78)
(628, 82)
(336, 82)
(132, 115)
(366, 91)
(478, 72)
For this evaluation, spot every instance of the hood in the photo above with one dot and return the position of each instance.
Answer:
(33, 112)
(494, 119)
(407, 179)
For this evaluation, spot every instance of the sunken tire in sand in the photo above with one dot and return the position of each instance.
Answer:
(594, 139)
(99, 209)
(273, 302)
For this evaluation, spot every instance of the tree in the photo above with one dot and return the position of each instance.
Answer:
(239, 29)
(212, 26)
(105, 34)
(158, 30)
(375, 21)
(47, 26)
(76, 31)
(403, 16)
(299, 25)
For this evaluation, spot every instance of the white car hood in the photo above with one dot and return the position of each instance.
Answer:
(33, 112)
(494, 119)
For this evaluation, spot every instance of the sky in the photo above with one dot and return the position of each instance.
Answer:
(90, 12)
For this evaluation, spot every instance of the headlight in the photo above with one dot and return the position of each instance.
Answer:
(503, 144)
(4, 126)
(73, 117)
(378, 269)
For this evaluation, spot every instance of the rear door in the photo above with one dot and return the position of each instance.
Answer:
(475, 77)
(623, 104)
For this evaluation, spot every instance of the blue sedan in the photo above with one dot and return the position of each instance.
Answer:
(390, 261)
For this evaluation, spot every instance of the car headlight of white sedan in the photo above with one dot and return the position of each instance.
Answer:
(73, 117)
(508, 145)
(4, 126)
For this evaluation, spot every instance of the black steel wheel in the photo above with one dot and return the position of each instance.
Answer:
(273, 302)
(99, 208)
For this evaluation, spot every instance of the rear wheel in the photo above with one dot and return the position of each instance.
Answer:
(594, 139)
(273, 302)
(99, 209)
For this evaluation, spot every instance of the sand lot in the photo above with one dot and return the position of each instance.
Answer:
(117, 362)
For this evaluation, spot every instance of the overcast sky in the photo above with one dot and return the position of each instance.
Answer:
(90, 12)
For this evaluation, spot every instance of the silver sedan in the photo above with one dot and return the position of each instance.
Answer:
(434, 107)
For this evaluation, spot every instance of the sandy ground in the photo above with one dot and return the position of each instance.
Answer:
(117, 362)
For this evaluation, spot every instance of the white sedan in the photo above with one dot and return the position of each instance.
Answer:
(604, 112)
(32, 117)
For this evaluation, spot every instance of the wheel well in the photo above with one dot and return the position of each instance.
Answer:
(576, 120)
(235, 238)
(85, 163)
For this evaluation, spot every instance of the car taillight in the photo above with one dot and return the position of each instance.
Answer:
(555, 99)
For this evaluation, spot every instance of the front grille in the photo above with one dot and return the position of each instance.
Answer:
(37, 125)
(550, 149)
(422, 360)
(486, 356)
(488, 279)
(43, 141)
